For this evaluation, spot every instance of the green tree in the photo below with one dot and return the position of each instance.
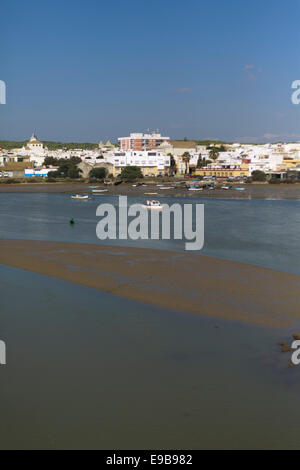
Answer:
(67, 168)
(53, 174)
(214, 154)
(51, 161)
(258, 175)
(75, 160)
(131, 173)
(99, 173)
(73, 172)
(200, 162)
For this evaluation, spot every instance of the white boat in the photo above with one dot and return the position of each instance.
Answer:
(100, 190)
(79, 196)
(195, 189)
(153, 205)
(225, 187)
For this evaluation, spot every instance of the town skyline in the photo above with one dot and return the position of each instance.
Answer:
(149, 155)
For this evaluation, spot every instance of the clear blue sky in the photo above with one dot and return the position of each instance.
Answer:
(84, 70)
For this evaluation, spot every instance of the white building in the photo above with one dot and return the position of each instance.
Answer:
(34, 149)
(151, 162)
(35, 146)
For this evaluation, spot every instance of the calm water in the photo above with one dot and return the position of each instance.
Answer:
(260, 232)
(87, 369)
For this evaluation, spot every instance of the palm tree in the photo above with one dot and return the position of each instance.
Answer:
(186, 159)
(214, 154)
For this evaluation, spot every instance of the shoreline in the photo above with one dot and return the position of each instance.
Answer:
(252, 191)
(179, 281)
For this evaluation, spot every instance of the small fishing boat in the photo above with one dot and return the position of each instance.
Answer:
(225, 187)
(239, 189)
(195, 189)
(153, 205)
(99, 191)
(79, 196)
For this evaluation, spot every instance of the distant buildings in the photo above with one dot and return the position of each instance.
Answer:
(157, 155)
(105, 147)
(14, 169)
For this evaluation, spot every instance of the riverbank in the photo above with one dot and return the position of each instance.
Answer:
(172, 280)
(252, 191)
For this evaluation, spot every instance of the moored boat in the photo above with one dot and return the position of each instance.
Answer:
(153, 205)
(79, 196)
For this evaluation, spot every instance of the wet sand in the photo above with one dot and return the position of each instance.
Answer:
(252, 191)
(179, 281)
